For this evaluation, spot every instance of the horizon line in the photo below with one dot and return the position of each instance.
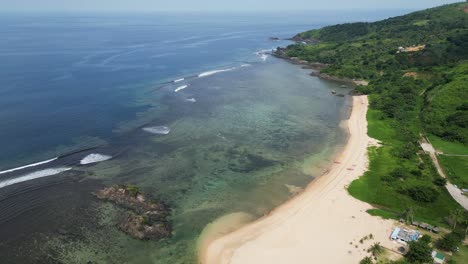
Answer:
(199, 11)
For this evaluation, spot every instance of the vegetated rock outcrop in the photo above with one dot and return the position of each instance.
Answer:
(145, 219)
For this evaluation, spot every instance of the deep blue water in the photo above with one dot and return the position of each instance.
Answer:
(68, 80)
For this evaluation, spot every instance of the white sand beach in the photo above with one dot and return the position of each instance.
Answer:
(323, 224)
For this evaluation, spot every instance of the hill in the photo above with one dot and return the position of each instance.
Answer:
(417, 69)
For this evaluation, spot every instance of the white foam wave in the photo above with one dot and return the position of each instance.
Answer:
(245, 65)
(180, 88)
(159, 130)
(192, 100)
(32, 176)
(208, 73)
(263, 51)
(179, 80)
(94, 158)
(264, 54)
(28, 166)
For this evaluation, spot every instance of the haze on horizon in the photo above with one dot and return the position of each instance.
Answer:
(208, 5)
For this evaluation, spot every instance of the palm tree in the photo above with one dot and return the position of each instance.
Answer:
(456, 216)
(465, 222)
(366, 260)
(409, 214)
(375, 249)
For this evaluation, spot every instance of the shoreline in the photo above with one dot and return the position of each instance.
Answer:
(324, 222)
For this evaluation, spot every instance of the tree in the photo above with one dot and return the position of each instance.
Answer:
(366, 260)
(423, 194)
(456, 217)
(439, 181)
(465, 222)
(449, 242)
(409, 214)
(420, 251)
(375, 249)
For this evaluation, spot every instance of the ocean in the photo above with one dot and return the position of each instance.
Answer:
(191, 108)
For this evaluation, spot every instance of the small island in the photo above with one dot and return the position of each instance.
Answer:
(145, 219)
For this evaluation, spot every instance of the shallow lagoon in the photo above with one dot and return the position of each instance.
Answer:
(253, 135)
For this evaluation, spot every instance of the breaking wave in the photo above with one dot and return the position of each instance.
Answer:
(179, 80)
(264, 54)
(159, 130)
(192, 100)
(208, 73)
(28, 166)
(32, 176)
(180, 88)
(94, 158)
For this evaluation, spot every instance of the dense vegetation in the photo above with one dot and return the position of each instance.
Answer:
(437, 74)
(417, 68)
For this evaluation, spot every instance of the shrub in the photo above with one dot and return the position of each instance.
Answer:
(440, 181)
(449, 242)
(423, 194)
(133, 190)
(397, 174)
(145, 220)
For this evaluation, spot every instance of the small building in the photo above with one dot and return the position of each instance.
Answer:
(405, 235)
(438, 257)
(415, 223)
(395, 233)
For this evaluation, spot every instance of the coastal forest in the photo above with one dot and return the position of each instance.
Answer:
(416, 67)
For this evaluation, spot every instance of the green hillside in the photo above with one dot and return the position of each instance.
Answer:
(417, 68)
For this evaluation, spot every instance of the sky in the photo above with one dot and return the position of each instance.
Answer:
(208, 5)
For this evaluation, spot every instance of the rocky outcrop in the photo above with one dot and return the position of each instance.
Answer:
(144, 219)
(140, 226)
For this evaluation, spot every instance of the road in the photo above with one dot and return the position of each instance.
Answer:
(454, 191)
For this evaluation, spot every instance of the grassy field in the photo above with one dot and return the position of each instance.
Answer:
(381, 129)
(389, 196)
(461, 256)
(370, 188)
(456, 169)
(448, 147)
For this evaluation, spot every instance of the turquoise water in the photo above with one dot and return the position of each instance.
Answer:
(251, 132)
(241, 132)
